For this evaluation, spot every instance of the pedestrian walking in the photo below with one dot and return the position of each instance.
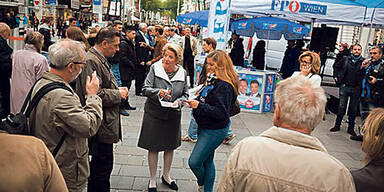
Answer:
(211, 111)
(160, 130)
(189, 43)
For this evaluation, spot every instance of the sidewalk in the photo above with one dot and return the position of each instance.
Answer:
(131, 172)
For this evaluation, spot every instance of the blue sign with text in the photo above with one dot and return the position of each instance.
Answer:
(298, 7)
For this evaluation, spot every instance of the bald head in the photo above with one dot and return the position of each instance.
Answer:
(5, 30)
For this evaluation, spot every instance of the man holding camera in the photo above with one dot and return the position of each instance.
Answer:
(349, 72)
(373, 85)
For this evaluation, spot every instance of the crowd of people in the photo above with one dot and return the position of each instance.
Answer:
(98, 69)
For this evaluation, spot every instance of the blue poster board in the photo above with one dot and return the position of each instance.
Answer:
(256, 89)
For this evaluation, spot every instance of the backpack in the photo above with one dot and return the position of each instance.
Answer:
(18, 124)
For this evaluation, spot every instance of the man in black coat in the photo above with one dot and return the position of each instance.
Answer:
(237, 52)
(5, 70)
(142, 55)
(349, 72)
(127, 61)
(45, 30)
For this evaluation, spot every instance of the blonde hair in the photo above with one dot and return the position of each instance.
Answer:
(176, 49)
(315, 61)
(224, 68)
(301, 103)
(373, 144)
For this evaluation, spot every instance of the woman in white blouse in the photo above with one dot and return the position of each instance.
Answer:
(309, 67)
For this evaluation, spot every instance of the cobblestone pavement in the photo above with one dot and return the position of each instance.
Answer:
(131, 172)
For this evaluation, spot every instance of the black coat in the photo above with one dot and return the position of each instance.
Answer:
(142, 53)
(377, 89)
(370, 178)
(128, 59)
(5, 64)
(290, 62)
(47, 38)
(258, 58)
(213, 110)
(340, 69)
(237, 53)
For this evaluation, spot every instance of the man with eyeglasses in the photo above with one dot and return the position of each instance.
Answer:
(349, 72)
(59, 117)
(372, 94)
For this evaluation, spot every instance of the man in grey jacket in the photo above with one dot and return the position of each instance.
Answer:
(60, 115)
(106, 44)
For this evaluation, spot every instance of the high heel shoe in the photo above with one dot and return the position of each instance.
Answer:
(171, 185)
(152, 189)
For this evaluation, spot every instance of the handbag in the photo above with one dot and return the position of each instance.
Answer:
(235, 109)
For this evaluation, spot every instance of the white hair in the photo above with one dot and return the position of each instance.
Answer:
(65, 51)
(166, 28)
(142, 26)
(301, 103)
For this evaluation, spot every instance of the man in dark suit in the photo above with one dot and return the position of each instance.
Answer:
(142, 55)
(128, 61)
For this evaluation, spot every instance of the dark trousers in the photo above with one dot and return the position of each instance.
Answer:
(188, 64)
(140, 72)
(5, 101)
(351, 93)
(126, 83)
(101, 166)
(366, 107)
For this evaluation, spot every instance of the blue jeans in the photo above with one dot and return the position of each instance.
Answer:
(116, 73)
(201, 159)
(192, 129)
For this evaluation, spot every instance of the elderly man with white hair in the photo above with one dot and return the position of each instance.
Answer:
(142, 55)
(286, 157)
(60, 118)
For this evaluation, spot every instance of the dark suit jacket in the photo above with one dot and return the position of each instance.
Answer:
(5, 64)
(128, 59)
(142, 53)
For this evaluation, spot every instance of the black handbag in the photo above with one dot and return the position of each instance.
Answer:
(235, 109)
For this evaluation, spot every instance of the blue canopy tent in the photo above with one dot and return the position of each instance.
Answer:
(270, 28)
(196, 17)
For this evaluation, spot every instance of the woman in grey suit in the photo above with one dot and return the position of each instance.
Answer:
(166, 88)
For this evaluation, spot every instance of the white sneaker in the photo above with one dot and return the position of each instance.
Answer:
(201, 188)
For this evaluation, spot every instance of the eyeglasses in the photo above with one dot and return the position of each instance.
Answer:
(373, 53)
(305, 62)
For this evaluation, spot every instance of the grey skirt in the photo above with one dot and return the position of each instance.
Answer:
(159, 133)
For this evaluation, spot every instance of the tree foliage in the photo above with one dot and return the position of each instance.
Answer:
(171, 8)
(151, 5)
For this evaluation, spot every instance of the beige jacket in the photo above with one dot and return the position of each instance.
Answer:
(193, 44)
(60, 111)
(27, 165)
(284, 160)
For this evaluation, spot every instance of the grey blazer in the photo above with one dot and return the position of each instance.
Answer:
(158, 79)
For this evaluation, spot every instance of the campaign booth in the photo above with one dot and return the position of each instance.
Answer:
(256, 87)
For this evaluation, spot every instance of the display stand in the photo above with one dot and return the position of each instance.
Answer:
(256, 89)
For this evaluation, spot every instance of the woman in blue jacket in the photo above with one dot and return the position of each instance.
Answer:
(211, 111)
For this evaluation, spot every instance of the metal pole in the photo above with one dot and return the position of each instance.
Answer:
(178, 7)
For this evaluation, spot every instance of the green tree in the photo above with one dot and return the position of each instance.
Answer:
(151, 5)
(171, 7)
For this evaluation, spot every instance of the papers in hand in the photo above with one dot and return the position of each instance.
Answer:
(194, 92)
(169, 104)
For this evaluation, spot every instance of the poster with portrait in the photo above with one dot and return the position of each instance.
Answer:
(199, 63)
(270, 83)
(250, 91)
(267, 103)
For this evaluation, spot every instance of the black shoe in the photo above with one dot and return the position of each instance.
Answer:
(152, 189)
(124, 112)
(129, 107)
(172, 185)
(357, 138)
(334, 129)
(351, 132)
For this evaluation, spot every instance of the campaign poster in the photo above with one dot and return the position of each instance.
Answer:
(199, 63)
(270, 83)
(267, 103)
(250, 89)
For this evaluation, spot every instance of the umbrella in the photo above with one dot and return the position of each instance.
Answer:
(196, 17)
(270, 28)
